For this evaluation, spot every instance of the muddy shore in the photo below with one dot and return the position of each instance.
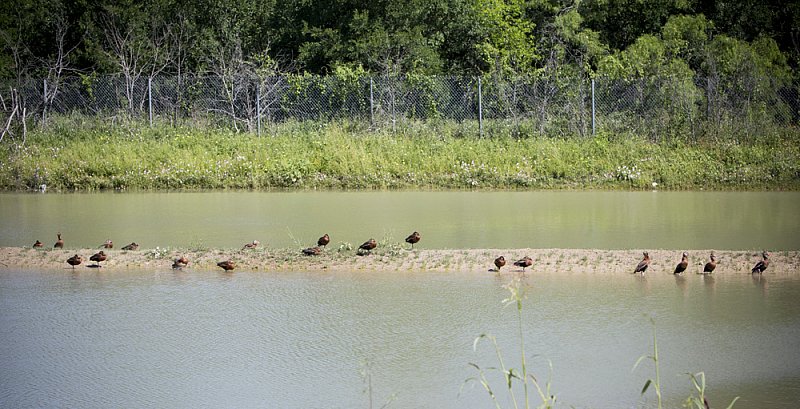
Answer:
(397, 258)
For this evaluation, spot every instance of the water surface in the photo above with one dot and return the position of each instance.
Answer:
(297, 340)
(454, 219)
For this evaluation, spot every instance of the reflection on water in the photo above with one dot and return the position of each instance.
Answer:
(584, 219)
(207, 339)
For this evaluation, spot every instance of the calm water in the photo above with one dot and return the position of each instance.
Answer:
(610, 220)
(295, 340)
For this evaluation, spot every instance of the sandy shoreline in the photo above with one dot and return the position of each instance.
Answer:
(585, 261)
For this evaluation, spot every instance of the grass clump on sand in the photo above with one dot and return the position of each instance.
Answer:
(86, 154)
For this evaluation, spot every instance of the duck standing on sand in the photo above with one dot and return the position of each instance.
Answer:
(227, 265)
(499, 263)
(133, 246)
(98, 257)
(642, 266)
(524, 262)
(324, 240)
(681, 267)
(367, 247)
(252, 245)
(413, 239)
(38, 244)
(711, 265)
(761, 265)
(59, 243)
(74, 261)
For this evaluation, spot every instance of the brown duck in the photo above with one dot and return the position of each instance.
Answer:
(133, 246)
(524, 262)
(711, 265)
(312, 251)
(108, 244)
(499, 263)
(681, 267)
(413, 239)
(252, 245)
(38, 244)
(761, 265)
(180, 263)
(642, 266)
(227, 265)
(74, 261)
(59, 243)
(98, 257)
(368, 246)
(324, 240)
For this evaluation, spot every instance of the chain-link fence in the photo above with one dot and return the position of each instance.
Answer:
(656, 107)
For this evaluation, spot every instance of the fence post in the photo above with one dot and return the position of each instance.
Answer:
(480, 109)
(150, 100)
(593, 109)
(44, 104)
(258, 108)
(371, 104)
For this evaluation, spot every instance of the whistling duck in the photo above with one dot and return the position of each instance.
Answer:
(59, 243)
(108, 244)
(413, 239)
(642, 266)
(74, 261)
(499, 263)
(524, 262)
(368, 246)
(180, 263)
(133, 246)
(761, 265)
(98, 257)
(38, 244)
(252, 245)
(226, 265)
(324, 240)
(711, 265)
(312, 251)
(681, 267)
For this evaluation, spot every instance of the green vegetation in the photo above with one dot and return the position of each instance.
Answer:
(74, 153)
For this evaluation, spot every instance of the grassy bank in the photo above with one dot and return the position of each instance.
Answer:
(76, 153)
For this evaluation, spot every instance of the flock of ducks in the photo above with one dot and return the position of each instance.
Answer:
(708, 268)
(369, 245)
(227, 265)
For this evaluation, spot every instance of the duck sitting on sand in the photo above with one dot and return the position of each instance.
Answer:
(180, 263)
(227, 265)
(38, 244)
(367, 247)
(252, 245)
(312, 251)
(133, 246)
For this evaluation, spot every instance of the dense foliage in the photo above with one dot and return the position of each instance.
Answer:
(82, 154)
(52, 38)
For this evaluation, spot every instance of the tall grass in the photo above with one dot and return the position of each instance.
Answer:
(76, 153)
(512, 376)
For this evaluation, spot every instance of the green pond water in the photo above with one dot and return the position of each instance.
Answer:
(593, 219)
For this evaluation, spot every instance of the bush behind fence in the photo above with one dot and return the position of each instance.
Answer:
(653, 107)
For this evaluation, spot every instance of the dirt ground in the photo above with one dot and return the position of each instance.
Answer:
(558, 261)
